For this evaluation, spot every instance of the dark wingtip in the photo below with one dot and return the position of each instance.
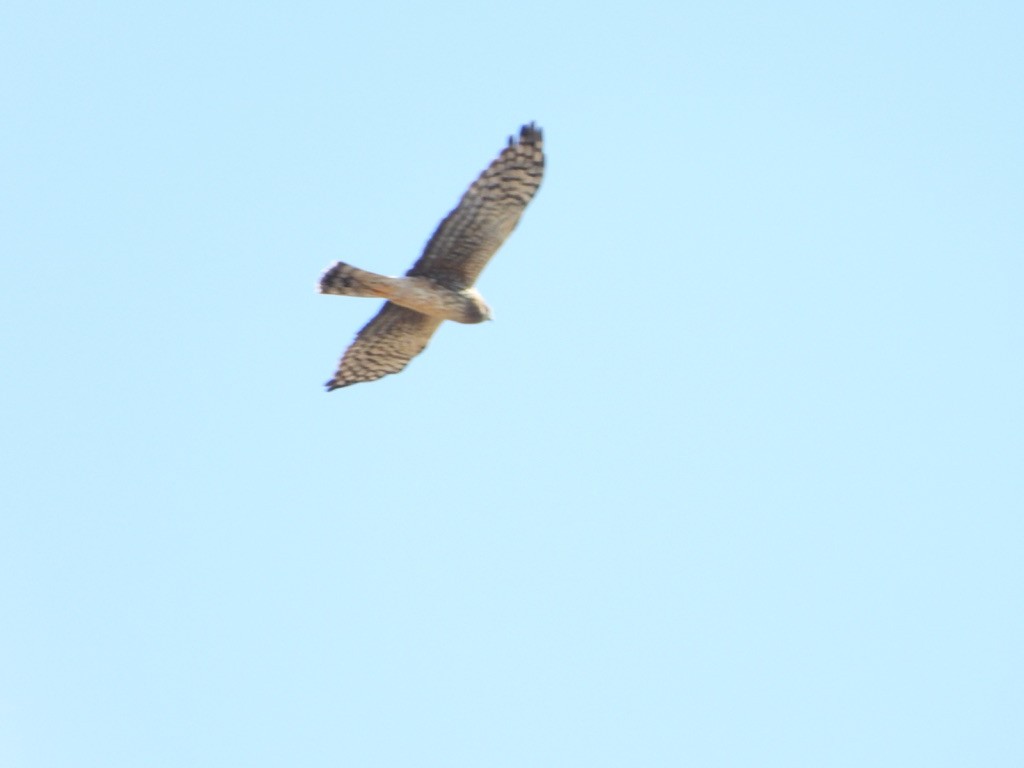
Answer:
(531, 134)
(528, 134)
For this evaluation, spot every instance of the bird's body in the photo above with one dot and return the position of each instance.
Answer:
(420, 293)
(439, 286)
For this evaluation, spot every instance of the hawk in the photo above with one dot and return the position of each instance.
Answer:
(439, 286)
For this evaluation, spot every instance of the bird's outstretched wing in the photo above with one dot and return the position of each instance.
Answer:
(465, 241)
(385, 345)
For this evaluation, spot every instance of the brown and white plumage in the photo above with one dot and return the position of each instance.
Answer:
(440, 284)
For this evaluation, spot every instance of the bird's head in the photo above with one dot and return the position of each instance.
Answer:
(475, 308)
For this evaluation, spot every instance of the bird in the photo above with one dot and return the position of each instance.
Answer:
(439, 286)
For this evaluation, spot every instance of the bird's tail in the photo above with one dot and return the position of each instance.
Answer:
(345, 280)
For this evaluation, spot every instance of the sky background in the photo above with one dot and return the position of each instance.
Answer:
(733, 479)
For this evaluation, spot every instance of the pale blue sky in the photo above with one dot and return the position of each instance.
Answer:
(734, 478)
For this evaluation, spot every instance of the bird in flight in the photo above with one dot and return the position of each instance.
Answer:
(440, 284)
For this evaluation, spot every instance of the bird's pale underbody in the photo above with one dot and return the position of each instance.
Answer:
(439, 286)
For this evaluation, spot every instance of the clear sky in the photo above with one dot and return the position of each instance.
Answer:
(733, 479)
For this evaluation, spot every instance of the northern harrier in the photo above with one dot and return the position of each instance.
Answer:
(440, 284)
